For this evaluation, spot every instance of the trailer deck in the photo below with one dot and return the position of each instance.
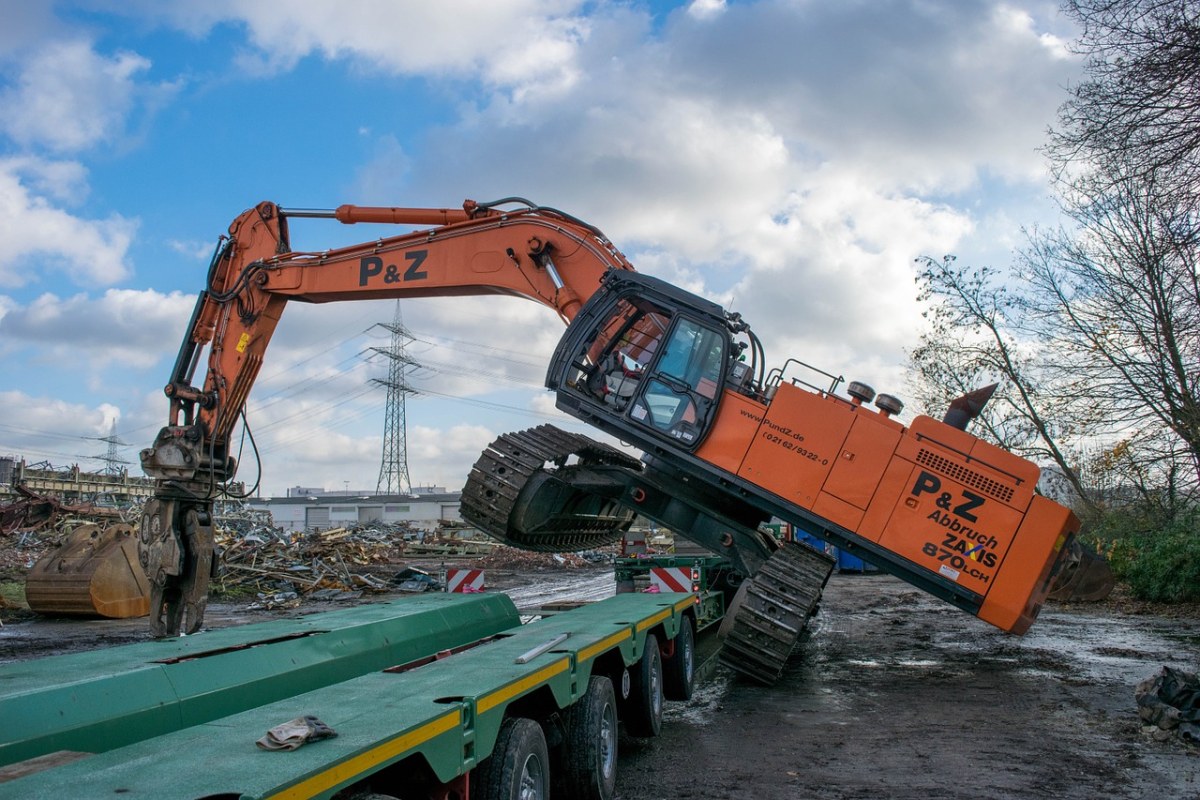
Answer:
(427, 724)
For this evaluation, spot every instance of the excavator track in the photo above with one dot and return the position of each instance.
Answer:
(499, 500)
(772, 609)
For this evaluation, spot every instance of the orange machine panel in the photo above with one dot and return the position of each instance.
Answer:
(863, 458)
(737, 421)
(1019, 590)
(797, 444)
(951, 529)
(837, 511)
(895, 482)
(983, 467)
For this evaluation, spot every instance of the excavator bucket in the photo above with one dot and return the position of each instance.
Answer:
(95, 572)
(1084, 576)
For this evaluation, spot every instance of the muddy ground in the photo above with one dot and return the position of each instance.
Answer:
(896, 695)
(900, 696)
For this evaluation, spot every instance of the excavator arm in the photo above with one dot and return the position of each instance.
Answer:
(532, 252)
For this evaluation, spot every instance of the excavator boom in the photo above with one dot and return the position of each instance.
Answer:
(536, 253)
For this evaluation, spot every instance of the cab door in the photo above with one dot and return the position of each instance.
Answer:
(678, 392)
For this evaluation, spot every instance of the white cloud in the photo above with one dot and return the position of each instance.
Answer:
(845, 299)
(64, 182)
(918, 95)
(706, 9)
(443, 456)
(1021, 24)
(87, 252)
(122, 327)
(42, 428)
(792, 160)
(25, 23)
(68, 97)
(329, 458)
(193, 249)
(521, 46)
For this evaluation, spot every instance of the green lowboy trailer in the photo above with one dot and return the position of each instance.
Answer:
(438, 696)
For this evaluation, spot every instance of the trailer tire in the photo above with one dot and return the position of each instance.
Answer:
(644, 707)
(679, 671)
(518, 768)
(588, 769)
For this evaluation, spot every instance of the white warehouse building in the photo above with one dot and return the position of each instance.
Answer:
(320, 512)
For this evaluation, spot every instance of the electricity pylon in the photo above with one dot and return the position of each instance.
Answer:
(393, 468)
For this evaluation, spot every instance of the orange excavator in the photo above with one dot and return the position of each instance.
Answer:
(727, 444)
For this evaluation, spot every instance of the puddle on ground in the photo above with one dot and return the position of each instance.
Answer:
(705, 703)
(1108, 649)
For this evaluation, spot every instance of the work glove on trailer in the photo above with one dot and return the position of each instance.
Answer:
(294, 733)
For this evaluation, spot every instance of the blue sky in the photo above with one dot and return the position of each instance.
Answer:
(788, 158)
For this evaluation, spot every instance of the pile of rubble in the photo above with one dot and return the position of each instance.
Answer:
(332, 562)
(21, 549)
(35, 512)
(33, 525)
(504, 557)
(282, 567)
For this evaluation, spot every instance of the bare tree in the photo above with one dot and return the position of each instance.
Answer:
(1117, 292)
(1102, 341)
(976, 337)
(1117, 298)
(1140, 103)
(1147, 467)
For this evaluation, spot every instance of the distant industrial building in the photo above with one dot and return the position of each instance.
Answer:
(346, 509)
(72, 484)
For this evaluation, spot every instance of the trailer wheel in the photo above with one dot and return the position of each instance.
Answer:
(589, 765)
(518, 766)
(644, 709)
(679, 671)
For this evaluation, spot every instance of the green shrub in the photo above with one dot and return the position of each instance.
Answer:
(1167, 567)
(1158, 561)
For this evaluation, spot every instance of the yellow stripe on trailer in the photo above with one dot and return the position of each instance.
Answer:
(652, 621)
(365, 762)
(489, 701)
(603, 645)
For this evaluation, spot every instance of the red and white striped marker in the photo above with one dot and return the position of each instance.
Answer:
(465, 581)
(672, 579)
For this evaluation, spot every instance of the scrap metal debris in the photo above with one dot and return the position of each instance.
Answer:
(35, 512)
(281, 569)
(412, 579)
(1170, 702)
(505, 557)
(340, 560)
(368, 558)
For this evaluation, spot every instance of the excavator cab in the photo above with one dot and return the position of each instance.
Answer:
(645, 361)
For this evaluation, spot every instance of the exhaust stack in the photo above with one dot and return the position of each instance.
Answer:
(966, 408)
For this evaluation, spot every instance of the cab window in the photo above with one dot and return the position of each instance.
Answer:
(680, 395)
(615, 360)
